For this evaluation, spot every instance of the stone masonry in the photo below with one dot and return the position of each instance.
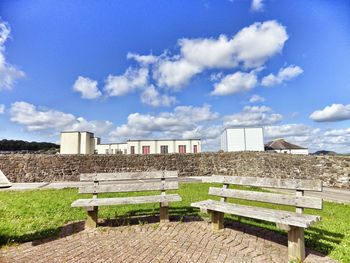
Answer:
(333, 170)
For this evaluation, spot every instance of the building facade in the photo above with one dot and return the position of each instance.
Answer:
(282, 146)
(86, 143)
(242, 139)
(77, 143)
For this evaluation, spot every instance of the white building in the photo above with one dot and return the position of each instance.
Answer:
(86, 143)
(242, 139)
(77, 143)
(282, 146)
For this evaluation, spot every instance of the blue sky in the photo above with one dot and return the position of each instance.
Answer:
(176, 69)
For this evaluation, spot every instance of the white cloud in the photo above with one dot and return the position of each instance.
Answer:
(180, 123)
(215, 76)
(87, 87)
(257, 5)
(256, 98)
(313, 138)
(338, 132)
(96, 126)
(335, 112)
(209, 52)
(38, 119)
(287, 130)
(252, 116)
(35, 119)
(8, 73)
(175, 74)
(251, 46)
(142, 59)
(151, 96)
(132, 79)
(234, 83)
(2, 108)
(284, 74)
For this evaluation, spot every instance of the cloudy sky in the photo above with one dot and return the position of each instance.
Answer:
(176, 69)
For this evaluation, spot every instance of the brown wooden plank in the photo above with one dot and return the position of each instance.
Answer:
(163, 213)
(217, 220)
(271, 215)
(296, 244)
(283, 199)
(92, 218)
(295, 184)
(89, 177)
(126, 200)
(129, 187)
(299, 194)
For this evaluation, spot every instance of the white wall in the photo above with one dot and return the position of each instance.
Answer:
(155, 145)
(300, 151)
(112, 148)
(86, 143)
(223, 141)
(70, 143)
(235, 140)
(242, 139)
(292, 151)
(254, 139)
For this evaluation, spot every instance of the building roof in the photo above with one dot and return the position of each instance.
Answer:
(281, 144)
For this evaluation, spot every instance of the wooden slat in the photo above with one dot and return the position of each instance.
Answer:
(299, 194)
(271, 215)
(126, 200)
(127, 176)
(295, 184)
(283, 199)
(129, 187)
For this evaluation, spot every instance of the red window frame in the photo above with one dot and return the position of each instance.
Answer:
(182, 148)
(195, 149)
(146, 149)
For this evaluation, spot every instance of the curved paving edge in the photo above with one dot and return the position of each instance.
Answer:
(192, 241)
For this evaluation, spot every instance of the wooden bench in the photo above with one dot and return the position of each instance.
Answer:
(293, 222)
(127, 182)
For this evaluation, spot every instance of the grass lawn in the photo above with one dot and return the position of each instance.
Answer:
(30, 215)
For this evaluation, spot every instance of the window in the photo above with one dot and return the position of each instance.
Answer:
(146, 149)
(182, 148)
(125, 151)
(195, 149)
(132, 149)
(107, 151)
(164, 149)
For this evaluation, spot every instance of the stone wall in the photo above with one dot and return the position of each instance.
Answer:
(334, 171)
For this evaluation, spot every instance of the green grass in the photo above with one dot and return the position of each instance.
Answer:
(32, 215)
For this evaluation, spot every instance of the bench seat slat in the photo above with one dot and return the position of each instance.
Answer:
(126, 200)
(294, 184)
(129, 187)
(271, 215)
(283, 199)
(127, 176)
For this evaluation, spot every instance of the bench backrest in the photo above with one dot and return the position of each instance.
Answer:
(129, 182)
(299, 185)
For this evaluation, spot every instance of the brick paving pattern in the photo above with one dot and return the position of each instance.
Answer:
(192, 241)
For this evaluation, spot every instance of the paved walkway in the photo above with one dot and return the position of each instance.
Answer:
(191, 241)
(329, 194)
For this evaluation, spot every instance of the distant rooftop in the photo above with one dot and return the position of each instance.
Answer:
(281, 144)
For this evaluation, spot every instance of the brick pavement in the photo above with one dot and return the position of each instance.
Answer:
(191, 241)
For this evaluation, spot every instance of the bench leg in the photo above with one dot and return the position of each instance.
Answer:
(92, 215)
(217, 220)
(164, 212)
(296, 244)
